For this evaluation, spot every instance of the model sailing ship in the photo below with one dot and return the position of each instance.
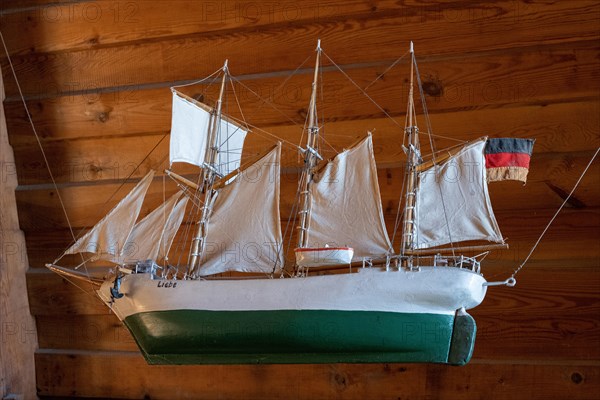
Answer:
(385, 306)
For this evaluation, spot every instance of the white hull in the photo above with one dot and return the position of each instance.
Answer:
(432, 290)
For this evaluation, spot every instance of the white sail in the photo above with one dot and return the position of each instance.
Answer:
(108, 237)
(453, 203)
(144, 241)
(346, 204)
(244, 230)
(231, 141)
(190, 126)
(171, 228)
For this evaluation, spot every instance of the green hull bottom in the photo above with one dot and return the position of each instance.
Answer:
(301, 336)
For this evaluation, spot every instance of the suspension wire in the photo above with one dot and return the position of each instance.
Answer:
(516, 271)
(39, 142)
(55, 185)
(41, 147)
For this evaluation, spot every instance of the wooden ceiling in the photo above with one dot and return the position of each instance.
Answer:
(96, 74)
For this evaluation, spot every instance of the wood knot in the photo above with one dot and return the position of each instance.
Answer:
(433, 88)
(94, 168)
(340, 380)
(303, 113)
(576, 378)
(102, 116)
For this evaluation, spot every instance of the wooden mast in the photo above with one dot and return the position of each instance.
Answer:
(311, 156)
(210, 174)
(413, 160)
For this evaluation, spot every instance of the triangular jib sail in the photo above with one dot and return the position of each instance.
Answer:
(108, 237)
(170, 229)
(150, 236)
(453, 203)
(244, 232)
(346, 204)
(190, 126)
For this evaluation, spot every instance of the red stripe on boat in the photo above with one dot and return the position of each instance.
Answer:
(322, 248)
(507, 160)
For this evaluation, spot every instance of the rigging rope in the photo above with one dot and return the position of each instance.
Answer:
(386, 71)
(516, 271)
(200, 80)
(39, 142)
(433, 151)
(362, 91)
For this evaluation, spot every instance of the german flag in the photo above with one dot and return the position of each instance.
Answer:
(508, 159)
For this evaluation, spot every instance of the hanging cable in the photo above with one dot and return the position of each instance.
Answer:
(516, 271)
(39, 142)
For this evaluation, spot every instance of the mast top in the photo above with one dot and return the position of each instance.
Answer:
(318, 45)
(412, 50)
(225, 68)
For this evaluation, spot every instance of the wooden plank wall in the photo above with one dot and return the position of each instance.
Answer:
(96, 75)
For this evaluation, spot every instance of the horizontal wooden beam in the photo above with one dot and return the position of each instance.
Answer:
(575, 380)
(539, 78)
(69, 27)
(248, 53)
(557, 128)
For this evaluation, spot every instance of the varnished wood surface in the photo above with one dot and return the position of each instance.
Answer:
(537, 77)
(168, 60)
(96, 77)
(570, 128)
(347, 381)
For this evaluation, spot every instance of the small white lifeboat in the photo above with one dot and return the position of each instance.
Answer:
(323, 256)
